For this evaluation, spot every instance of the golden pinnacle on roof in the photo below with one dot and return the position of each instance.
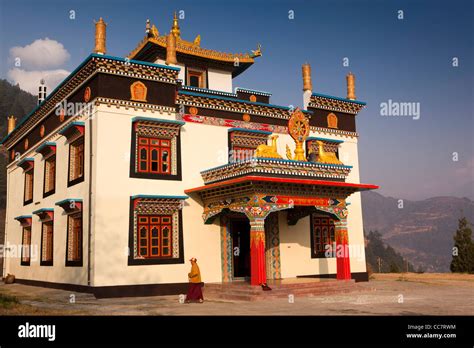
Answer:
(100, 36)
(175, 28)
(307, 84)
(11, 123)
(350, 78)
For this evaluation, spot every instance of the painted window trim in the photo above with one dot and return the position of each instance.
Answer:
(48, 262)
(53, 190)
(318, 255)
(75, 263)
(154, 261)
(139, 175)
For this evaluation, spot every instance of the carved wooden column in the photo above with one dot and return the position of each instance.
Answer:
(258, 273)
(342, 250)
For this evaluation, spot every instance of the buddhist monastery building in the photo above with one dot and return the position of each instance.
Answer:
(132, 166)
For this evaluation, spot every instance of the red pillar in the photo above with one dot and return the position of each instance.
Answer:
(257, 252)
(342, 251)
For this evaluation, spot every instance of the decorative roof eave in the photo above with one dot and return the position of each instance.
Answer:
(325, 140)
(47, 149)
(24, 220)
(26, 163)
(252, 91)
(45, 213)
(209, 91)
(94, 63)
(328, 102)
(235, 105)
(143, 119)
(73, 130)
(70, 205)
(262, 179)
(245, 131)
(159, 197)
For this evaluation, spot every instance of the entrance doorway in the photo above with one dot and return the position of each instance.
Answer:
(240, 232)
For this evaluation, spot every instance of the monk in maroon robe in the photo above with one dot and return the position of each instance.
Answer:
(195, 284)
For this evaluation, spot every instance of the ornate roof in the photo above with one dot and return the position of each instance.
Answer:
(193, 48)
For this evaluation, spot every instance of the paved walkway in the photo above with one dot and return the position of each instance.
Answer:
(393, 295)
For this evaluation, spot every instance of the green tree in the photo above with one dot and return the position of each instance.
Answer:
(463, 251)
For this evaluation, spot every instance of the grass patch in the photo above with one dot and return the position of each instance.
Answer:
(8, 301)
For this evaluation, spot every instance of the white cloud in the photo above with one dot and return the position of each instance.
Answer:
(41, 54)
(29, 80)
(42, 59)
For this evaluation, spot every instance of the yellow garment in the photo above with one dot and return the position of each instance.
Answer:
(195, 275)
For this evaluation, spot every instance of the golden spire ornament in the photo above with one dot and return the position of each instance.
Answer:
(175, 28)
(350, 78)
(100, 36)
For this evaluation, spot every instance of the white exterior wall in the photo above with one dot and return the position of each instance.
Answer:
(220, 80)
(112, 201)
(15, 176)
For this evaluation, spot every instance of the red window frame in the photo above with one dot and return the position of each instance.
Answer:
(324, 233)
(151, 145)
(155, 245)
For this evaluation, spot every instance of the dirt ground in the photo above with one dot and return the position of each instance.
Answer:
(385, 294)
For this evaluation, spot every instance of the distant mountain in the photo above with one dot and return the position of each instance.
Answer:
(13, 101)
(422, 231)
(383, 258)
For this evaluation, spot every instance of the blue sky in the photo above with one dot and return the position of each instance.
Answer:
(407, 60)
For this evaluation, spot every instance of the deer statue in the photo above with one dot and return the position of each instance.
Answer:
(267, 151)
(326, 157)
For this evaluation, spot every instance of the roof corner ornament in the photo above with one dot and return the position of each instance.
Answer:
(197, 40)
(257, 52)
(154, 32)
(298, 128)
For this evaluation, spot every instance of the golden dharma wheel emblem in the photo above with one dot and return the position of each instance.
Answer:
(42, 131)
(193, 110)
(253, 98)
(246, 117)
(87, 94)
(26, 144)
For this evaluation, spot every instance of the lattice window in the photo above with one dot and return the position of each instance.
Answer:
(26, 246)
(76, 161)
(323, 235)
(196, 78)
(154, 155)
(50, 174)
(155, 150)
(47, 243)
(155, 234)
(74, 240)
(28, 195)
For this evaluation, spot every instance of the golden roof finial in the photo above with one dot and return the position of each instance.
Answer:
(100, 36)
(350, 78)
(175, 28)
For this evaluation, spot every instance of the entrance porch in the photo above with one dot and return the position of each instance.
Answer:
(255, 195)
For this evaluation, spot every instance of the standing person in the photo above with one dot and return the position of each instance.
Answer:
(195, 284)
